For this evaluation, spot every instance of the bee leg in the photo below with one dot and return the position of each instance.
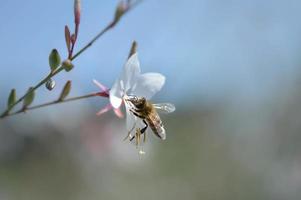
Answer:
(138, 134)
(129, 132)
(141, 117)
(136, 114)
(133, 137)
(142, 131)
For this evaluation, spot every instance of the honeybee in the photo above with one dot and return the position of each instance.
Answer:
(145, 110)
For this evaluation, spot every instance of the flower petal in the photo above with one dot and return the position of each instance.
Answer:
(148, 84)
(115, 99)
(118, 112)
(116, 94)
(130, 119)
(130, 72)
(101, 86)
(104, 110)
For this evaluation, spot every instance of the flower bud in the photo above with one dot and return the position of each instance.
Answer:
(50, 84)
(67, 37)
(73, 38)
(67, 65)
(77, 11)
(28, 98)
(54, 59)
(120, 10)
(65, 91)
(12, 98)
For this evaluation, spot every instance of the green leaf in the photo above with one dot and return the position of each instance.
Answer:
(54, 59)
(12, 98)
(65, 91)
(67, 65)
(28, 98)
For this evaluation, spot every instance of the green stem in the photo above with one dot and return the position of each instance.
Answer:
(42, 82)
(102, 94)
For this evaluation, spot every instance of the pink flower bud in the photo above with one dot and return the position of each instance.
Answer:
(73, 38)
(120, 10)
(77, 11)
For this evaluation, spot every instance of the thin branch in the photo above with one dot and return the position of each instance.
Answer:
(108, 27)
(60, 68)
(101, 94)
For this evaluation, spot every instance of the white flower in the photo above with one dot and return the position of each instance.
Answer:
(105, 93)
(132, 82)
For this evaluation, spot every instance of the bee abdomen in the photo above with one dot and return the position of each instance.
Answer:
(157, 127)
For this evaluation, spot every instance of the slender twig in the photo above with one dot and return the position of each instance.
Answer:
(101, 94)
(43, 81)
(60, 68)
(108, 27)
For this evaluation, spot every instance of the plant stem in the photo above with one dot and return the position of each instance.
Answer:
(59, 69)
(43, 81)
(104, 30)
(108, 27)
(102, 94)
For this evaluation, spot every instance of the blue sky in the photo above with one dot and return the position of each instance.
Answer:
(207, 49)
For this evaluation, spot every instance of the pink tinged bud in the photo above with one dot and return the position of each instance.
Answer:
(73, 38)
(120, 10)
(77, 11)
(67, 37)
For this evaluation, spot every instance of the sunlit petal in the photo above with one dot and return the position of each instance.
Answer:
(115, 101)
(130, 72)
(148, 84)
(116, 94)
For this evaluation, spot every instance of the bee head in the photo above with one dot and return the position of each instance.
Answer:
(138, 102)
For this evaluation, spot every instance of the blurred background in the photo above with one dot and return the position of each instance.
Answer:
(233, 70)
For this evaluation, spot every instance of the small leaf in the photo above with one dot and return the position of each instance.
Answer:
(12, 98)
(67, 65)
(73, 38)
(28, 98)
(67, 37)
(54, 59)
(65, 91)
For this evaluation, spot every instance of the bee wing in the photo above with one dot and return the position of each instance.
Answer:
(162, 133)
(165, 107)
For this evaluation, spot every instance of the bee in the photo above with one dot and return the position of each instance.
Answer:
(145, 110)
